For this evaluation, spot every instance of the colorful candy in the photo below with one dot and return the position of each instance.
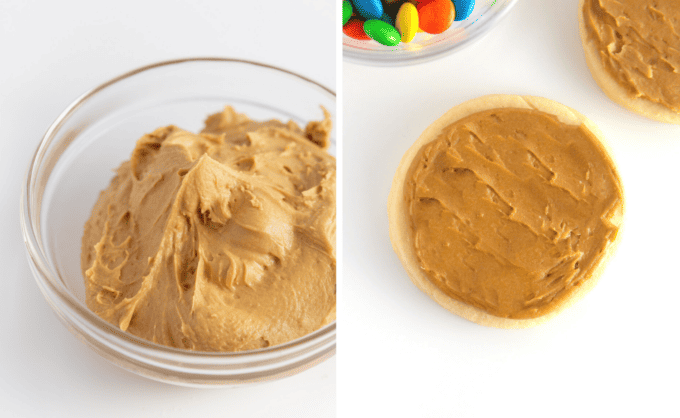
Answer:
(407, 22)
(435, 16)
(369, 9)
(346, 11)
(382, 32)
(463, 9)
(355, 29)
(400, 20)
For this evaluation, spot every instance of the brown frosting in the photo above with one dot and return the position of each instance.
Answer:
(219, 241)
(639, 46)
(510, 210)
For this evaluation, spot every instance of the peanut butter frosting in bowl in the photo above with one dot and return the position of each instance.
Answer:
(633, 51)
(217, 241)
(506, 209)
(209, 259)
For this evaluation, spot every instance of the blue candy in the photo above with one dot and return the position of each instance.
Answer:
(463, 8)
(369, 9)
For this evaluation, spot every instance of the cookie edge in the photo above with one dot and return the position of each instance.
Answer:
(402, 239)
(611, 87)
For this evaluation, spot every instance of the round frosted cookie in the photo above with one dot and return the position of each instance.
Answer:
(627, 49)
(506, 209)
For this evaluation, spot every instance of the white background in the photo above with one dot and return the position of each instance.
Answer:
(50, 53)
(399, 353)
(614, 354)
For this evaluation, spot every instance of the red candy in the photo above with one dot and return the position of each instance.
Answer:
(435, 16)
(355, 29)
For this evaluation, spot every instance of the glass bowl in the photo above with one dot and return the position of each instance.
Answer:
(425, 47)
(75, 161)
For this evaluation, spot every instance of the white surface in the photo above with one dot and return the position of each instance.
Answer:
(401, 354)
(51, 53)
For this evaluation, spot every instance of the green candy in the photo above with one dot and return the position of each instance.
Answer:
(382, 32)
(346, 11)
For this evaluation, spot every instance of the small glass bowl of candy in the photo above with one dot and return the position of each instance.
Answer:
(442, 27)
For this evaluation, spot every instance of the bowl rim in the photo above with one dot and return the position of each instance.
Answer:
(351, 55)
(47, 276)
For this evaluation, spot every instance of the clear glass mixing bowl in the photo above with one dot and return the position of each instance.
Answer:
(75, 161)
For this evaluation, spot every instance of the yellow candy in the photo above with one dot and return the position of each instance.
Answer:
(407, 21)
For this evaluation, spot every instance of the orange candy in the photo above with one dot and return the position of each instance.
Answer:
(355, 29)
(435, 16)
